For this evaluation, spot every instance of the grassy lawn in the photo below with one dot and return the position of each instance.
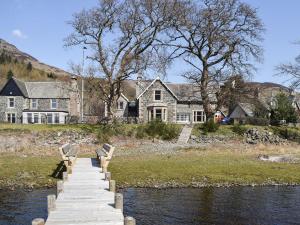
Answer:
(203, 168)
(44, 127)
(193, 167)
(31, 171)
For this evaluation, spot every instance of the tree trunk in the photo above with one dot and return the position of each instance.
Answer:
(108, 110)
(204, 93)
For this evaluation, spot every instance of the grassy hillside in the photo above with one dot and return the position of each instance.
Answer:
(22, 70)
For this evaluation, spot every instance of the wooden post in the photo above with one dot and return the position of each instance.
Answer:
(69, 169)
(112, 185)
(38, 221)
(119, 201)
(51, 203)
(129, 220)
(102, 161)
(104, 169)
(65, 176)
(107, 176)
(60, 186)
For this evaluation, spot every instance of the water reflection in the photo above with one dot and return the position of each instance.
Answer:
(226, 206)
(236, 206)
(20, 207)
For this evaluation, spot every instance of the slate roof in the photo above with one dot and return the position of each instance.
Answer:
(22, 86)
(183, 91)
(248, 108)
(48, 89)
(44, 89)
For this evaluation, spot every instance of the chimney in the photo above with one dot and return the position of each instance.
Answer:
(138, 88)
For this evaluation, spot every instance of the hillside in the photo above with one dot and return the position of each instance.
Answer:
(25, 66)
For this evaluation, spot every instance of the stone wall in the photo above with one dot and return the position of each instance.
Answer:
(19, 105)
(45, 104)
(121, 113)
(147, 100)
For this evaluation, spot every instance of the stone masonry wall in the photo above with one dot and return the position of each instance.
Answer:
(147, 99)
(45, 104)
(19, 105)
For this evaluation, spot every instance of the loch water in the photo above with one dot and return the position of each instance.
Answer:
(274, 205)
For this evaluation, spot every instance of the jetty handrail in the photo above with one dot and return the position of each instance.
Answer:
(69, 155)
(100, 188)
(105, 155)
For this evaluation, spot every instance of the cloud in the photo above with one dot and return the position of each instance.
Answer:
(19, 34)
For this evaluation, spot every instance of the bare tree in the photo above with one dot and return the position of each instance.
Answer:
(292, 70)
(215, 37)
(120, 36)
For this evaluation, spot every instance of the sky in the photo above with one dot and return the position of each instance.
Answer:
(39, 27)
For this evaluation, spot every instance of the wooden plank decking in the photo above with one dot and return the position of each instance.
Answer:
(86, 198)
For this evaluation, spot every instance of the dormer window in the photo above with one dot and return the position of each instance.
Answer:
(53, 103)
(157, 95)
(11, 103)
(34, 103)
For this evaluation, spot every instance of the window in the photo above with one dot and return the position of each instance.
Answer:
(120, 105)
(157, 95)
(53, 103)
(164, 114)
(56, 118)
(183, 117)
(199, 117)
(158, 114)
(49, 118)
(11, 117)
(43, 118)
(11, 103)
(29, 117)
(34, 103)
(36, 118)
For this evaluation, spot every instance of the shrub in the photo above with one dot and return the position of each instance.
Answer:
(287, 133)
(239, 129)
(157, 129)
(171, 131)
(140, 132)
(257, 121)
(210, 126)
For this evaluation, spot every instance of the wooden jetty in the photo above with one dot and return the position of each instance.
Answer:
(86, 196)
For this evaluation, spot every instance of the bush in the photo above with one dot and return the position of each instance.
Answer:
(170, 132)
(140, 132)
(239, 129)
(210, 126)
(257, 121)
(157, 129)
(104, 133)
(292, 134)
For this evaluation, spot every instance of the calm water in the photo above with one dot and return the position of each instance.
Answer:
(226, 206)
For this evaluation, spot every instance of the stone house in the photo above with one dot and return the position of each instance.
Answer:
(39, 102)
(170, 102)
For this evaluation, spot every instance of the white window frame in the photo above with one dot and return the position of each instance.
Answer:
(36, 103)
(8, 102)
(164, 114)
(48, 116)
(51, 103)
(183, 117)
(161, 95)
(195, 117)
